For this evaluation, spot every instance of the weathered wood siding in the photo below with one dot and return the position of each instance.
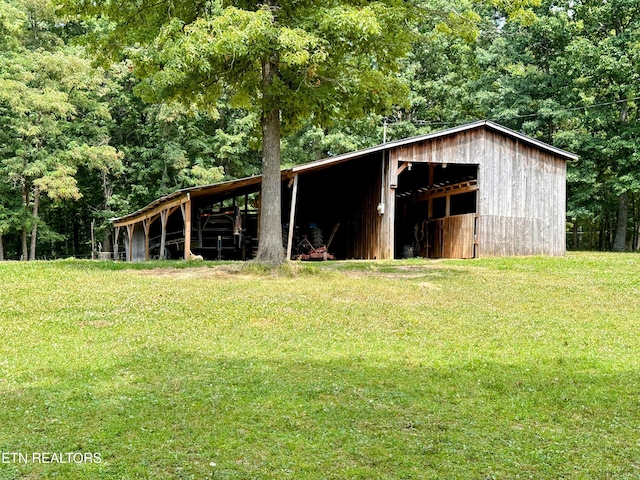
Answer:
(458, 236)
(522, 199)
(464, 148)
(367, 223)
(137, 244)
(522, 189)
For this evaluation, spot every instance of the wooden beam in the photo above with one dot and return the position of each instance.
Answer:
(292, 216)
(146, 224)
(259, 202)
(389, 218)
(130, 228)
(154, 211)
(115, 243)
(454, 189)
(154, 218)
(187, 228)
(403, 167)
(164, 215)
(432, 169)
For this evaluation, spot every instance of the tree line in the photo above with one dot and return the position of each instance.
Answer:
(105, 106)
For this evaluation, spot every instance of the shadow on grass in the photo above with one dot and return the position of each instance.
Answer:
(164, 414)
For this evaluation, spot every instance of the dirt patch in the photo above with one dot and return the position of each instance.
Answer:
(393, 271)
(220, 271)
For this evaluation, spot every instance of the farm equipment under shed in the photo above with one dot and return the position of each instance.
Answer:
(308, 252)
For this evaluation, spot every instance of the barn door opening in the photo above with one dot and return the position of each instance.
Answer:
(436, 211)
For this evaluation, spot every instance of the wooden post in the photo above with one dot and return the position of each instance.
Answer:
(115, 243)
(187, 227)
(146, 224)
(447, 206)
(292, 216)
(164, 215)
(390, 180)
(430, 200)
(130, 228)
(259, 202)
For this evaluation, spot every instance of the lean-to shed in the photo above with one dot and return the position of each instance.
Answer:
(475, 190)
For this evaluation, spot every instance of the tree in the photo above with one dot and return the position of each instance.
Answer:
(606, 54)
(289, 61)
(53, 119)
(569, 76)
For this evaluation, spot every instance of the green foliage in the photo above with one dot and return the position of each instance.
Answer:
(537, 75)
(54, 119)
(288, 62)
(83, 137)
(333, 58)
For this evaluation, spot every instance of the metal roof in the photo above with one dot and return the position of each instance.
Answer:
(232, 186)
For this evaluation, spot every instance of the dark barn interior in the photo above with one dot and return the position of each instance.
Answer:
(428, 195)
(339, 200)
(336, 206)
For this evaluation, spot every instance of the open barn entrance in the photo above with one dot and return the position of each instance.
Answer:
(336, 207)
(436, 211)
(225, 228)
(222, 227)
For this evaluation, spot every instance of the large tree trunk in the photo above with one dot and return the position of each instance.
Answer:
(270, 248)
(25, 204)
(34, 231)
(620, 240)
(25, 245)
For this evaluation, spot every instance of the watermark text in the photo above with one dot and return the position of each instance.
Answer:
(50, 457)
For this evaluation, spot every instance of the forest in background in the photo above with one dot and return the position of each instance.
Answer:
(78, 145)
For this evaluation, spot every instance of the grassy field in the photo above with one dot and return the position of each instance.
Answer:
(481, 369)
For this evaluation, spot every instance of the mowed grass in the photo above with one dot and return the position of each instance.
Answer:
(477, 369)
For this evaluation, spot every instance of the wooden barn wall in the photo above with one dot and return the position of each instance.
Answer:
(367, 234)
(463, 148)
(522, 190)
(522, 200)
(137, 244)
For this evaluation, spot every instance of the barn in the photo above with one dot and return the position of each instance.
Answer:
(476, 190)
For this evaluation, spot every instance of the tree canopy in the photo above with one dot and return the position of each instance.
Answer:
(189, 93)
(288, 61)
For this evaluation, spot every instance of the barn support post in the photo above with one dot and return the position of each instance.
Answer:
(389, 182)
(186, 214)
(130, 228)
(259, 202)
(292, 216)
(164, 215)
(432, 169)
(116, 236)
(146, 224)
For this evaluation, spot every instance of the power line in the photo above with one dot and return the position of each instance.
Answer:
(515, 117)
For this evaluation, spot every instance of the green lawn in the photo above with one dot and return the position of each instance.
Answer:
(477, 369)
